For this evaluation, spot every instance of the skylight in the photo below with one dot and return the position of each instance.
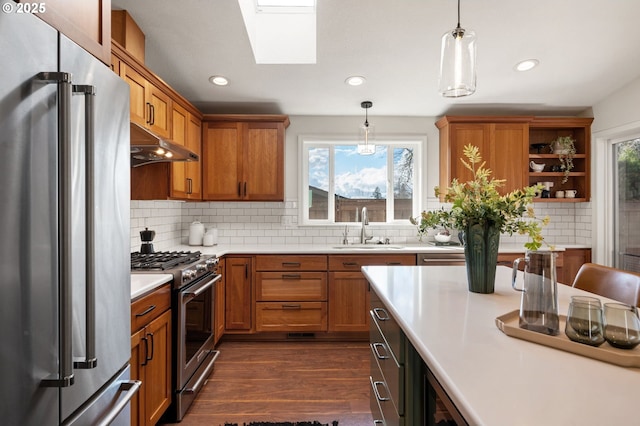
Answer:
(281, 31)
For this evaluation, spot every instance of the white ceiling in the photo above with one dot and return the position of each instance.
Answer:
(587, 49)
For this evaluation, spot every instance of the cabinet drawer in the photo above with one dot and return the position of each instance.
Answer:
(291, 286)
(345, 262)
(149, 307)
(380, 399)
(292, 316)
(388, 327)
(392, 372)
(291, 263)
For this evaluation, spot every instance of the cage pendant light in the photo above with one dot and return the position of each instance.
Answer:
(365, 139)
(458, 62)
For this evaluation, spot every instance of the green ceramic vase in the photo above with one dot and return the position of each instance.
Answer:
(481, 255)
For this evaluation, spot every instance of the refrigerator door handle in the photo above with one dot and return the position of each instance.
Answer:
(127, 390)
(64, 377)
(90, 361)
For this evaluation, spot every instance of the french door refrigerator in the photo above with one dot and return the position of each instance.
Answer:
(64, 232)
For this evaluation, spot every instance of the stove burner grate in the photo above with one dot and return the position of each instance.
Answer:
(163, 260)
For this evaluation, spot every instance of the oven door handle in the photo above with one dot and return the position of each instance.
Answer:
(197, 290)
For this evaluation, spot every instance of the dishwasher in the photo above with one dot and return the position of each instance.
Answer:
(441, 259)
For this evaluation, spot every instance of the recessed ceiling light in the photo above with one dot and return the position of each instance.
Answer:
(218, 80)
(355, 80)
(526, 65)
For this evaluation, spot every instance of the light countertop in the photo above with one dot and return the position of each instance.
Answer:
(492, 378)
(144, 283)
(223, 249)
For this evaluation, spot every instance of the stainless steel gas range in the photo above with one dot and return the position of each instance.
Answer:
(192, 304)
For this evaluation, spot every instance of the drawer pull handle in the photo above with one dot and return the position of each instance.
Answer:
(350, 264)
(378, 422)
(291, 264)
(146, 311)
(291, 276)
(394, 263)
(291, 306)
(375, 390)
(376, 312)
(376, 349)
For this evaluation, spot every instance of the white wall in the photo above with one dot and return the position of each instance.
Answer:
(618, 110)
(616, 116)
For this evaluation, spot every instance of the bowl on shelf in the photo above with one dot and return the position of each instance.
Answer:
(536, 167)
(442, 238)
(539, 147)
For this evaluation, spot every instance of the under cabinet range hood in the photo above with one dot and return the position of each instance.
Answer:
(147, 148)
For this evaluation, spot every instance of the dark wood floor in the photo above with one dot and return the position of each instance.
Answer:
(286, 381)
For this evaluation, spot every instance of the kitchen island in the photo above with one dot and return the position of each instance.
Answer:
(494, 379)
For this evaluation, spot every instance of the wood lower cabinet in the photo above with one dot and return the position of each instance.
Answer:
(219, 299)
(243, 157)
(567, 263)
(573, 260)
(349, 290)
(151, 355)
(291, 293)
(238, 294)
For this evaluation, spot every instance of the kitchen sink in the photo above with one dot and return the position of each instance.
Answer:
(368, 247)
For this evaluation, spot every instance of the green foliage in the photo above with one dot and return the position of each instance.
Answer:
(629, 170)
(478, 201)
(566, 158)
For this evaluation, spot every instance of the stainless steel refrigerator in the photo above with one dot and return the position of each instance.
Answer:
(64, 232)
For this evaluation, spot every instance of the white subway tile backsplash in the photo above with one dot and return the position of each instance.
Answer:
(277, 223)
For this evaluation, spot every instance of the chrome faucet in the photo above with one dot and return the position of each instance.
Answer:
(364, 218)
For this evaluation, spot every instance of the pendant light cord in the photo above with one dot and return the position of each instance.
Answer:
(458, 14)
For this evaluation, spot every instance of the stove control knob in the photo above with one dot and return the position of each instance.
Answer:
(188, 275)
(201, 268)
(212, 264)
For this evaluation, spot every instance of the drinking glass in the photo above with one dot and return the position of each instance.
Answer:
(584, 321)
(621, 325)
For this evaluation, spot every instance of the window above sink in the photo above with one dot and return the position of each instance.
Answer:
(337, 181)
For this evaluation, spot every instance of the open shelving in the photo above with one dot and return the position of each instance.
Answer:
(544, 130)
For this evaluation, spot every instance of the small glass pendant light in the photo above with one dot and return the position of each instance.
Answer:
(458, 62)
(365, 139)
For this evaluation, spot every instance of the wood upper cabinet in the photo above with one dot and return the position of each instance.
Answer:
(86, 22)
(243, 157)
(508, 144)
(157, 107)
(503, 143)
(150, 106)
(186, 176)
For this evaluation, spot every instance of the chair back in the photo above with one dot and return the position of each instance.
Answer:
(616, 284)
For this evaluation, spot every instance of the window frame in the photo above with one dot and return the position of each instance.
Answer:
(305, 142)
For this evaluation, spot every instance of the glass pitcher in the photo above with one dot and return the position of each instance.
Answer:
(539, 303)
